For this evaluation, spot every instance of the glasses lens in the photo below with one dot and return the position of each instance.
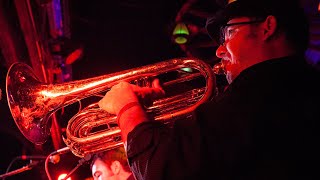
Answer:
(224, 29)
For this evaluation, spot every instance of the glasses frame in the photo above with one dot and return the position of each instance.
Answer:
(223, 28)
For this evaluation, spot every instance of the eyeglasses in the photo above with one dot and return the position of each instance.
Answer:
(224, 32)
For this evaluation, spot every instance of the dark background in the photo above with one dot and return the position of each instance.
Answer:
(113, 35)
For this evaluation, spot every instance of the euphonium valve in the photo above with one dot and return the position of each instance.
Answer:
(92, 129)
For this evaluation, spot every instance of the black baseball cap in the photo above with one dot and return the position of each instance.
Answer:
(290, 16)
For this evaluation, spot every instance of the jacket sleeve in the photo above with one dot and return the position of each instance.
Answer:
(158, 151)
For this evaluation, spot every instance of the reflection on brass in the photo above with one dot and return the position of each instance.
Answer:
(91, 130)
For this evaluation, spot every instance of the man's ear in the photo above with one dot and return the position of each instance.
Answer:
(269, 27)
(115, 167)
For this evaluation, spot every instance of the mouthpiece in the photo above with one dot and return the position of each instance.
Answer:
(219, 68)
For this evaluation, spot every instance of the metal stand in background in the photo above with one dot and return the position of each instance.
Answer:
(80, 163)
(20, 170)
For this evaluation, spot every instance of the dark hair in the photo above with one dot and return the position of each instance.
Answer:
(290, 16)
(109, 156)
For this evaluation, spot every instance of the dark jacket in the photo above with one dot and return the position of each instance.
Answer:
(264, 126)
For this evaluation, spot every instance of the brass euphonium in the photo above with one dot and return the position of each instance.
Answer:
(91, 130)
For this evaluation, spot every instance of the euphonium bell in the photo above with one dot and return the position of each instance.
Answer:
(32, 103)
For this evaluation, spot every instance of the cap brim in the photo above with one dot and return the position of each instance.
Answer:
(232, 10)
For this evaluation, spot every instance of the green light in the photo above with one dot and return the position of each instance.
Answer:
(181, 28)
(180, 33)
(180, 40)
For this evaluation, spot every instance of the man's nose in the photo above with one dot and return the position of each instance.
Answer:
(221, 51)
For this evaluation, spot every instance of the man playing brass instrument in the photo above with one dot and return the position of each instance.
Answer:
(264, 126)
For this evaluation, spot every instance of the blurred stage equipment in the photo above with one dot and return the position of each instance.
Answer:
(31, 102)
(20, 170)
(34, 161)
(83, 160)
(63, 176)
(54, 158)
